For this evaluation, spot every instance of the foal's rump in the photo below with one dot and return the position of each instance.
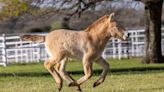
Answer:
(35, 38)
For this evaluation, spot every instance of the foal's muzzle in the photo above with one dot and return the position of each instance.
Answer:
(126, 36)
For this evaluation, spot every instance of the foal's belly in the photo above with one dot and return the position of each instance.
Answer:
(75, 53)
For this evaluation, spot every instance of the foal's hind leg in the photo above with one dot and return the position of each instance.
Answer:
(49, 66)
(105, 67)
(60, 67)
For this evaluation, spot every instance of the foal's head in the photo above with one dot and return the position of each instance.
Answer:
(115, 30)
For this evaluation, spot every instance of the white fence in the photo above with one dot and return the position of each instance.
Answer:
(134, 47)
(14, 50)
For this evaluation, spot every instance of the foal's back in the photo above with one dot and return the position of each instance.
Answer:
(66, 42)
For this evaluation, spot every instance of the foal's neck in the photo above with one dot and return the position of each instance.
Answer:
(99, 35)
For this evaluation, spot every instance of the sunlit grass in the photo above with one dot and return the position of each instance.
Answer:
(114, 83)
(126, 76)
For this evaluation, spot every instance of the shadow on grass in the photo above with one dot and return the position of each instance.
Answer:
(151, 89)
(143, 90)
(135, 70)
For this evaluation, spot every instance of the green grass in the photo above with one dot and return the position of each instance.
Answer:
(126, 76)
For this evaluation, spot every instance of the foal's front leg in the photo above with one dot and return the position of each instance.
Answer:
(87, 65)
(105, 67)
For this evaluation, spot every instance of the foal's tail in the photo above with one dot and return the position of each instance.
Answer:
(35, 38)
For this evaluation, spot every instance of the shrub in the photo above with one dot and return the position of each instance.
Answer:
(55, 25)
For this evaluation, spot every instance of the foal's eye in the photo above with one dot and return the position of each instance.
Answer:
(114, 24)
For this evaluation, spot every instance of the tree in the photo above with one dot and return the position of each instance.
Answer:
(12, 8)
(153, 11)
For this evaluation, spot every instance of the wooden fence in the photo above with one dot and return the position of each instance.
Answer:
(14, 50)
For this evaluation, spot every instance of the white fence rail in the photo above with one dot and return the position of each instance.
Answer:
(14, 50)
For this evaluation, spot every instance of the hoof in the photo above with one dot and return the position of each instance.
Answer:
(73, 84)
(59, 87)
(79, 89)
(96, 84)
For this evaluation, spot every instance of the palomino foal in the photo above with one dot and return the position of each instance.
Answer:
(86, 45)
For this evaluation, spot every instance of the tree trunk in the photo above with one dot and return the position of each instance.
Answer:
(153, 13)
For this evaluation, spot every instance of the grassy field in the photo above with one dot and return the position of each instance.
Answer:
(125, 76)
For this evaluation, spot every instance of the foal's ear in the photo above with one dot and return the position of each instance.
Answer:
(111, 15)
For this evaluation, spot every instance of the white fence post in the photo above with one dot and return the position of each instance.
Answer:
(136, 44)
(4, 49)
(114, 48)
(133, 45)
(21, 51)
(38, 53)
(31, 50)
(16, 53)
(119, 49)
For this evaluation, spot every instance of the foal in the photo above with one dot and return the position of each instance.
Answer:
(86, 45)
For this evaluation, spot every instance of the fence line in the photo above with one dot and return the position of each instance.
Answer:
(14, 50)
(134, 47)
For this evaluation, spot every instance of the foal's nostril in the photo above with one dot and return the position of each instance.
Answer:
(128, 34)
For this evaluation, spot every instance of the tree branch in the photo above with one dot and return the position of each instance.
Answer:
(147, 1)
